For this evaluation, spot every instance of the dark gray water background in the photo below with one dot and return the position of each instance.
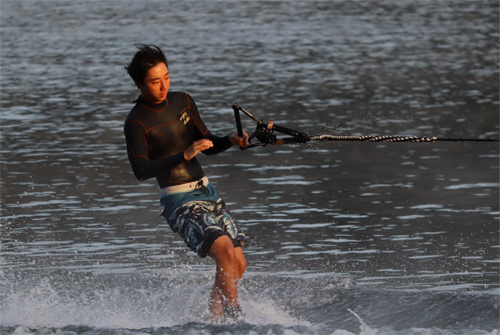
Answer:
(332, 225)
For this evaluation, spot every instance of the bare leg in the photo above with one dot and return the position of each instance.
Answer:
(229, 268)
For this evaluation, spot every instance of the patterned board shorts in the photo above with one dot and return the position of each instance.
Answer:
(200, 223)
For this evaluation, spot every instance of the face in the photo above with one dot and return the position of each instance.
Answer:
(156, 84)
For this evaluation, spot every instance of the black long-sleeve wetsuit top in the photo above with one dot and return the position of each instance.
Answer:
(158, 134)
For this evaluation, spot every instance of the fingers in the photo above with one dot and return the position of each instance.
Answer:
(240, 141)
(195, 148)
(243, 141)
(203, 144)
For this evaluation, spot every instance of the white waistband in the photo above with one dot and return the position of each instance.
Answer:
(183, 187)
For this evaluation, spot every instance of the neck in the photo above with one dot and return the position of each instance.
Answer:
(151, 105)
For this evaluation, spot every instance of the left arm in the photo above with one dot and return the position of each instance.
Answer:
(220, 144)
(223, 143)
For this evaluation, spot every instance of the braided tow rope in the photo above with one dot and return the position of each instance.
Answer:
(372, 138)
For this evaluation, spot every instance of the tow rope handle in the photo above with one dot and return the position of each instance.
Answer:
(264, 132)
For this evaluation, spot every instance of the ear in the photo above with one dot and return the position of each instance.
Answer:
(137, 84)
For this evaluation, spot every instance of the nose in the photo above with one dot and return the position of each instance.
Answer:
(163, 84)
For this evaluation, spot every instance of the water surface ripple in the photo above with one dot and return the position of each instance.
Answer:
(403, 234)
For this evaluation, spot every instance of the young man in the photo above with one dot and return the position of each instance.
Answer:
(164, 133)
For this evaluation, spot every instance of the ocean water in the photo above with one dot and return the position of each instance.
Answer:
(344, 237)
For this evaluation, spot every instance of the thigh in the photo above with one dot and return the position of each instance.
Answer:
(227, 222)
(195, 224)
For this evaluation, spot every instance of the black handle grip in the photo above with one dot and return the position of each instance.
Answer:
(236, 109)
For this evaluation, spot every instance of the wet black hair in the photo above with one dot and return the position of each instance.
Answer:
(147, 57)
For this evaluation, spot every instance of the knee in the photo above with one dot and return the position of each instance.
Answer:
(242, 265)
(226, 255)
(240, 262)
(222, 250)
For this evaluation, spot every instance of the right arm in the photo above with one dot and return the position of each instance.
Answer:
(143, 165)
